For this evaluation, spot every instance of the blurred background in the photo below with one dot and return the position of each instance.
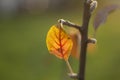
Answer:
(23, 28)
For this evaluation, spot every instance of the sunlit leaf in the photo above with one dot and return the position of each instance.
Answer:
(102, 14)
(59, 42)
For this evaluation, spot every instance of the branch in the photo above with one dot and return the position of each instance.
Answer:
(84, 38)
(70, 24)
(89, 6)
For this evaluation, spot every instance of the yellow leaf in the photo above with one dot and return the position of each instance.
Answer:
(59, 42)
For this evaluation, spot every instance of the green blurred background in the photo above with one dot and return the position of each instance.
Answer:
(23, 53)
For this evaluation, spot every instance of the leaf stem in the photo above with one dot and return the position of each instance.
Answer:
(71, 74)
(69, 66)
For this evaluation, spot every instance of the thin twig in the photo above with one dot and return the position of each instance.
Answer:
(70, 24)
(88, 8)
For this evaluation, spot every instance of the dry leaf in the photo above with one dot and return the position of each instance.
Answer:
(101, 16)
(76, 38)
(59, 42)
